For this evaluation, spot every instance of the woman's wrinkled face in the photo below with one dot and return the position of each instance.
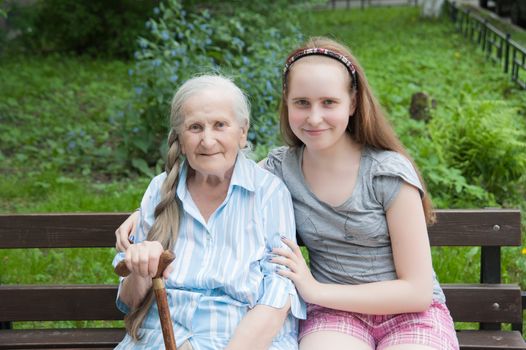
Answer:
(211, 135)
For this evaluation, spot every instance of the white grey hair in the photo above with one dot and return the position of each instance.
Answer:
(207, 81)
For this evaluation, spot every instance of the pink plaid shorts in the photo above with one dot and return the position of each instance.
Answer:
(433, 327)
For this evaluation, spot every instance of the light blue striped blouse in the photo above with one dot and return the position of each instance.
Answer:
(221, 269)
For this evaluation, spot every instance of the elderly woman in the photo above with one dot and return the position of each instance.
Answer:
(221, 215)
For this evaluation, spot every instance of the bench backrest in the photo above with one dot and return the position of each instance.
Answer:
(489, 303)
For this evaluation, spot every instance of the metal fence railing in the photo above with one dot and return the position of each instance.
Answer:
(368, 3)
(496, 45)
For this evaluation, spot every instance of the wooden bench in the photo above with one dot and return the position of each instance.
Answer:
(489, 302)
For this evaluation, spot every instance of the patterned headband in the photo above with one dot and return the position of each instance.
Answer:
(321, 52)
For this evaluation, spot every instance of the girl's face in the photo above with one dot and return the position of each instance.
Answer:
(319, 102)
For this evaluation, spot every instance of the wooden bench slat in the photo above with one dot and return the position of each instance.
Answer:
(92, 338)
(477, 227)
(59, 230)
(58, 303)
(467, 302)
(484, 302)
(97, 229)
(490, 340)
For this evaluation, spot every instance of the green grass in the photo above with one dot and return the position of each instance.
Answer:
(54, 192)
(59, 112)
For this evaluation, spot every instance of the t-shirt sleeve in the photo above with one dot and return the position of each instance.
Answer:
(274, 161)
(389, 175)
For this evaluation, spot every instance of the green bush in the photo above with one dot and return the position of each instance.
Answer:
(95, 27)
(486, 141)
(446, 183)
(248, 46)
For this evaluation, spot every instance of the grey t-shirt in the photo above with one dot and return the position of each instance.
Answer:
(350, 243)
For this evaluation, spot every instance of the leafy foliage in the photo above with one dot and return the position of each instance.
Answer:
(486, 141)
(180, 44)
(447, 184)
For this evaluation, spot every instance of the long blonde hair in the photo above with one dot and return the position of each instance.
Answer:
(368, 125)
(167, 213)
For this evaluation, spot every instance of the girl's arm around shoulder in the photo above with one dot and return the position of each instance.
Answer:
(125, 233)
(141, 256)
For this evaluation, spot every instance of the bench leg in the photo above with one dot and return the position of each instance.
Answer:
(516, 327)
(490, 273)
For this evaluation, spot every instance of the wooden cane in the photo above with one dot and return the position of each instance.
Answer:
(160, 296)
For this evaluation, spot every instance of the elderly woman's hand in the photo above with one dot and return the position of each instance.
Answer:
(142, 259)
(125, 230)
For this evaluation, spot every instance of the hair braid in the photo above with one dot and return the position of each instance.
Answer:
(165, 228)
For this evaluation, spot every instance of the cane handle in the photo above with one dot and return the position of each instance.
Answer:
(165, 259)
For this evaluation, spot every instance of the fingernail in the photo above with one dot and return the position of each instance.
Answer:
(283, 237)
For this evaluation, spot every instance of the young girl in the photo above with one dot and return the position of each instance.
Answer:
(360, 209)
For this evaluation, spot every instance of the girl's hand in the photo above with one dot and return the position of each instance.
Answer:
(142, 259)
(298, 271)
(125, 229)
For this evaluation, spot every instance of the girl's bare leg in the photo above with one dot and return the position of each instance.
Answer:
(332, 340)
(409, 347)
